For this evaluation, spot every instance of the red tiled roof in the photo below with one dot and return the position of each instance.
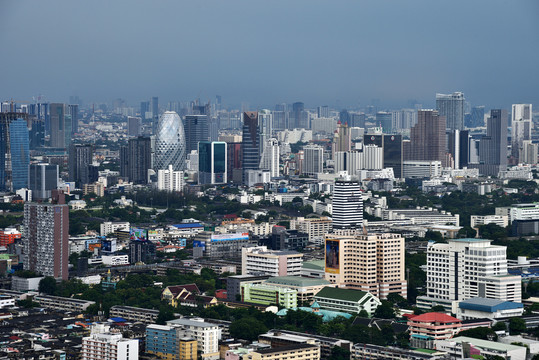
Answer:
(435, 317)
(192, 288)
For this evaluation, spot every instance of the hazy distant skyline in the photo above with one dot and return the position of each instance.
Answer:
(337, 53)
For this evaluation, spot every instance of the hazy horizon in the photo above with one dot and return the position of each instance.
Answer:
(339, 53)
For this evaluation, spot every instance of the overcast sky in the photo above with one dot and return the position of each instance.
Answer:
(341, 53)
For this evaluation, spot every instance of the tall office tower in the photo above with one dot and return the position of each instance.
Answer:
(265, 122)
(42, 180)
(476, 118)
(373, 263)
(212, 162)
(348, 161)
(385, 121)
(196, 130)
(57, 134)
(136, 160)
(347, 204)
(529, 152)
(453, 147)
(313, 162)
(133, 126)
(170, 142)
(234, 164)
(298, 111)
(46, 237)
(74, 112)
(341, 138)
(393, 154)
(270, 157)
(14, 151)
(493, 146)
(37, 133)
(144, 109)
(154, 107)
(358, 120)
(250, 142)
(81, 170)
(281, 117)
(373, 157)
(467, 268)
(464, 148)
(452, 107)
(344, 117)
(427, 137)
(521, 128)
(323, 111)
(68, 136)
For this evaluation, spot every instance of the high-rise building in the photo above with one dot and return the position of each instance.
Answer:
(344, 117)
(57, 124)
(265, 122)
(144, 109)
(196, 130)
(476, 118)
(170, 142)
(529, 152)
(427, 137)
(493, 146)
(373, 263)
(270, 157)
(323, 111)
(347, 204)
(250, 142)
(46, 237)
(341, 138)
(385, 121)
(74, 113)
(452, 107)
(212, 162)
(133, 126)
(109, 345)
(42, 179)
(136, 160)
(392, 150)
(14, 151)
(300, 116)
(81, 170)
(170, 180)
(257, 260)
(467, 268)
(464, 148)
(313, 162)
(37, 133)
(521, 128)
(154, 108)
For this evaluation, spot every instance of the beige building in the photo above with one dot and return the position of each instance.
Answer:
(95, 188)
(289, 352)
(316, 228)
(372, 263)
(258, 260)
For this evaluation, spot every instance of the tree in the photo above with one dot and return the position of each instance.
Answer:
(467, 232)
(247, 328)
(363, 314)
(47, 285)
(516, 326)
(339, 353)
(437, 308)
(397, 299)
(483, 333)
(500, 326)
(385, 310)
(165, 314)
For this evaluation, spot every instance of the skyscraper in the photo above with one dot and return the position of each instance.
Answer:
(170, 142)
(452, 107)
(476, 117)
(521, 128)
(313, 162)
(250, 142)
(493, 146)
(385, 121)
(46, 237)
(393, 154)
(265, 123)
(37, 133)
(234, 162)
(57, 121)
(74, 112)
(136, 160)
(341, 138)
(212, 162)
(270, 157)
(133, 126)
(464, 152)
(323, 111)
(300, 116)
(427, 137)
(81, 170)
(347, 204)
(14, 151)
(42, 179)
(144, 108)
(196, 130)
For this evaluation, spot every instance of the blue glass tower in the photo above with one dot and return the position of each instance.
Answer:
(14, 152)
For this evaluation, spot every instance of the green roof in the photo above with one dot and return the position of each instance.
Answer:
(341, 294)
(315, 264)
(486, 344)
(296, 281)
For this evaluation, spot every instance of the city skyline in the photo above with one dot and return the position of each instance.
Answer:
(343, 54)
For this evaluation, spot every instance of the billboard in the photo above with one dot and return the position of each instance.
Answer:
(332, 256)
(201, 244)
(230, 237)
(138, 234)
(108, 245)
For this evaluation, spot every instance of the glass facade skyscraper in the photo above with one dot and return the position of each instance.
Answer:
(212, 162)
(250, 143)
(170, 142)
(14, 151)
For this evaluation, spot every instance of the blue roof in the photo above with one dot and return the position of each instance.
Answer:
(118, 319)
(488, 305)
(423, 337)
(188, 225)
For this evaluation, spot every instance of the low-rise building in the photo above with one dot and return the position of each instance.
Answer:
(169, 342)
(482, 308)
(316, 228)
(281, 337)
(371, 351)
(147, 316)
(264, 294)
(25, 284)
(426, 328)
(109, 346)
(233, 284)
(109, 227)
(63, 303)
(295, 351)
(306, 288)
(259, 260)
(478, 220)
(347, 300)
(207, 335)
(465, 347)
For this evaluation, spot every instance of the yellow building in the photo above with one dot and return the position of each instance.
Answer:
(289, 352)
(373, 263)
(188, 349)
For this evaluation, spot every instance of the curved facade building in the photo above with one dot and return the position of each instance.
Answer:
(169, 142)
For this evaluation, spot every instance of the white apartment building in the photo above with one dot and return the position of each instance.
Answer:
(108, 227)
(259, 260)
(270, 157)
(170, 180)
(524, 212)
(206, 334)
(468, 268)
(421, 169)
(428, 216)
(114, 260)
(373, 157)
(109, 346)
(478, 220)
(373, 263)
(316, 228)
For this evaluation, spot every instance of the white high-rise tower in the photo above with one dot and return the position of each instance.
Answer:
(270, 157)
(347, 204)
(521, 127)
